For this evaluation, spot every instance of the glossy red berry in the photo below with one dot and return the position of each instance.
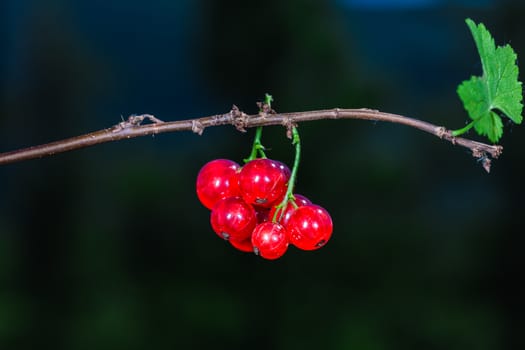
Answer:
(217, 180)
(283, 214)
(284, 168)
(233, 218)
(262, 182)
(309, 227)
(244, 245)
(270, 240)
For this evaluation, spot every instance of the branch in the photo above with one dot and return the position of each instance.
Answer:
(133, 128)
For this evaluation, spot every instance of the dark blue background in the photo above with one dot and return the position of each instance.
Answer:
(108, 247)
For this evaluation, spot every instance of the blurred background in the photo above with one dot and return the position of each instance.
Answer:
(109, 248)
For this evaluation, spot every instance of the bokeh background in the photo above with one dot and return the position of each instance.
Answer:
(109, 248)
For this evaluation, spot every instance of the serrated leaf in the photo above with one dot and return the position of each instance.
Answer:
(497, 90)
(476, 104)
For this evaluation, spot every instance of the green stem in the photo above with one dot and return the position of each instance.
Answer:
(257, 147)
(461, 131)
(289, 197)
(268, 99)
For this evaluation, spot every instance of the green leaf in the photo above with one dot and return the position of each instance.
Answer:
(497, 92)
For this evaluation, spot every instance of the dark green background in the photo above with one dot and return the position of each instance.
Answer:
(109, 248)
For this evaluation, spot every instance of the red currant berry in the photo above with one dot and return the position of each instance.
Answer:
(263, 182)
(284, 168)
(270, 240)
(217, 180)
(309, 227)
(233, 218)
(244, 246)
(283, 214)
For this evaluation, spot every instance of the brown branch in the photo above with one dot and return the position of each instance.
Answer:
(133, 128)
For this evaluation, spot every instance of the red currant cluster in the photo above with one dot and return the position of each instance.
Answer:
(248, 208)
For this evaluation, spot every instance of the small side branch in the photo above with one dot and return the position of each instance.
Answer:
(133, 127)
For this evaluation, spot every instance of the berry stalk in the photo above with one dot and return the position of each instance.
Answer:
(289, 197)
(257, 148)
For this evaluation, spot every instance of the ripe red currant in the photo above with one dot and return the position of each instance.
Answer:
(233, 218)
(244, 245)
(270, 240)
(309, 227)
(217, 180)
(262, 182)
(283, 214)
(284, 168)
